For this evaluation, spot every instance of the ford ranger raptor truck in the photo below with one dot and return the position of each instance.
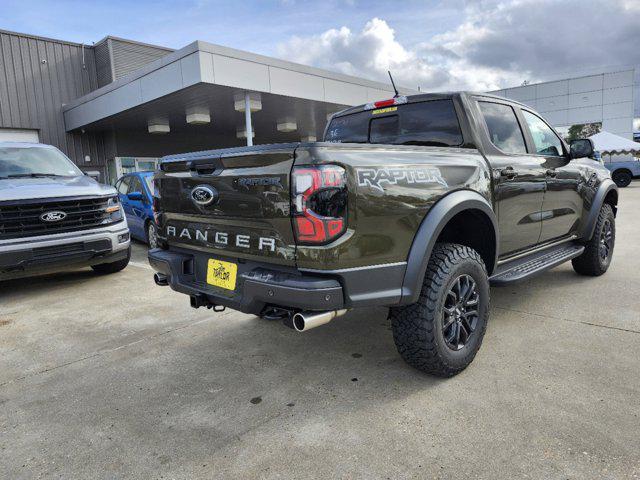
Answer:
(54, 217)
(415, 203)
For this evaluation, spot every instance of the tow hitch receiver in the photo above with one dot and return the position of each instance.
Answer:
(198, 301)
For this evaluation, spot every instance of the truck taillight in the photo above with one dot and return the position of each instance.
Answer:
(319, 203)
(155, 204)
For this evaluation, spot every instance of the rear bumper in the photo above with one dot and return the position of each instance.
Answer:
(256, 286)
(36, 255)
(260, 285)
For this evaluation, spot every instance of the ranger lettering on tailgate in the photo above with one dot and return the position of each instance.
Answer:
(222, 239)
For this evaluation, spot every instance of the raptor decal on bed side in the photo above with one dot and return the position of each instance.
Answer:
(376, 177)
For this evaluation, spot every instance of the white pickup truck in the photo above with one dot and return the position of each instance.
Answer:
(53, 216)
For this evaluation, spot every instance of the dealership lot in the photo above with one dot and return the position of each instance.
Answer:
(110, 377)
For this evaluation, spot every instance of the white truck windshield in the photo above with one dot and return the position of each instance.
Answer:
(18, 162)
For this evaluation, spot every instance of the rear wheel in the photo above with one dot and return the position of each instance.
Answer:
(441, 333)
(622, 178)
(113, 267)
(596, 258)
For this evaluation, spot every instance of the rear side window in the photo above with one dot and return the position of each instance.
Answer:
(424, 123)
(504, 129)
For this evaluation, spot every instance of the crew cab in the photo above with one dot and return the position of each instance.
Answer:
(415, 203)
(54, 217)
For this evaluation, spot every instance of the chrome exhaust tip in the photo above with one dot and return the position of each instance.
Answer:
(303, 321)
(161, 279)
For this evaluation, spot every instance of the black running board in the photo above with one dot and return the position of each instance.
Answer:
(530, 265)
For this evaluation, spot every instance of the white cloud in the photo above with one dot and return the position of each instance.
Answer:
(370, 53)
(497, 44)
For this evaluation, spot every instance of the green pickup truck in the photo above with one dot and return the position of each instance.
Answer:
(415, 203)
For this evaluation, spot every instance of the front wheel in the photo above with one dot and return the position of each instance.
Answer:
(596, 258)
(441, 333)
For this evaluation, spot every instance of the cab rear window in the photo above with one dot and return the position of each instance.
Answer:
(432, 122)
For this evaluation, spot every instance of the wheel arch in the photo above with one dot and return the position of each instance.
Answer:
(463, 216)
(607, 193)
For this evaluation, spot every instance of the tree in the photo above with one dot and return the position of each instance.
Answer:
(583, 130)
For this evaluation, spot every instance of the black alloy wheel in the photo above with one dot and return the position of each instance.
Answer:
(460, 312)
(606, 240)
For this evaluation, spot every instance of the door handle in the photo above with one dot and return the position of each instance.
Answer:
(551, 173)
(509, 173)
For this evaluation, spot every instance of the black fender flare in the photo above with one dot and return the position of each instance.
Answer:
(589, 226)
(430, 228)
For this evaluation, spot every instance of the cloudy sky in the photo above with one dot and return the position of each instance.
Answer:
(473, 44)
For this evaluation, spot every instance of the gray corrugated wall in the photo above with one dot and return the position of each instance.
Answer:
(104, 71)
(32, 92)
(130, 56)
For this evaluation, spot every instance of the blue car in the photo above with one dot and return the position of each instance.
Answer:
(136, 195)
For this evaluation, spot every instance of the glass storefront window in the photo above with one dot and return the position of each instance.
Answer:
(120, 166)
(127, 164)
(146, 166)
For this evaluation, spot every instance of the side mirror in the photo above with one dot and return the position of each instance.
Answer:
(135, 196)
(581, 148)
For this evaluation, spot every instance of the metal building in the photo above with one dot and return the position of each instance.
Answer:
(38, 76)
(609, 98)
(118, 105)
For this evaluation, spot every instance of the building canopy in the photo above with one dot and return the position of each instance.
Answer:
(195, 98)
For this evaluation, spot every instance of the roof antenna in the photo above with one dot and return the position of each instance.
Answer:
(393, 84)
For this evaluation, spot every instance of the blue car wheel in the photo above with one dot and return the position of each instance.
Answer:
(152, 237)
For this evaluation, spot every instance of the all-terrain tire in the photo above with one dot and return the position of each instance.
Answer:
(113, 267)
(418, 328)
(622, 178)
(593, 261)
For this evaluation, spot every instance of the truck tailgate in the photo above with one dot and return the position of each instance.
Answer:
(233, 202)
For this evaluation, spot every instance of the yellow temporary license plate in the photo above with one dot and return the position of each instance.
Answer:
(222, 274)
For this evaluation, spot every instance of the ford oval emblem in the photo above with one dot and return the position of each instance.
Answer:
(204, 195)
(55, 216)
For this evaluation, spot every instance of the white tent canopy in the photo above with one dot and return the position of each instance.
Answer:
(606, 142)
